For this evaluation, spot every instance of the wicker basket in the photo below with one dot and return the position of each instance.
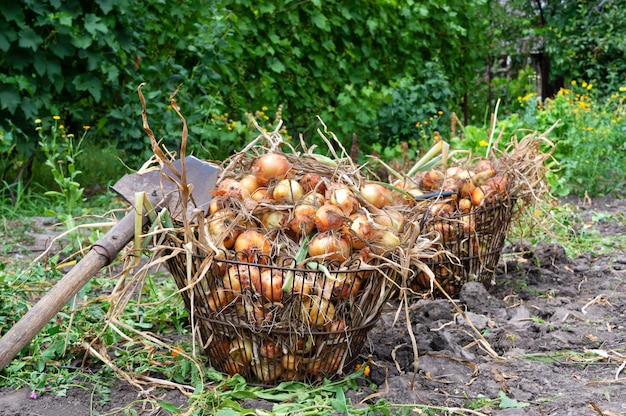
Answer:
(312, 331)
(471, 247)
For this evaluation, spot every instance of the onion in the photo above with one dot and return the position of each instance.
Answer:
(376, 194)
(360, 230)
(441, 209)
(387, 239)
(253, 245)
(477, 196)
(301, 285)
(219, 298)
(391, 218)
(288, 190)
(266, 370)
(317, 311)
(480, 178)
(432, 180)
(261, 194)
(484, 165)
(221, 227)
(447, 231)
(253, 312)
(312, 182)
(338, 325)
(329, 217)
(466, 187)
(270, 284)
(241, 350)
(343, 198)
(314, 198)
(341, 286)
(329, 246)
(250, 183)
(240, 277)
(274, 220)
(269, 349)
(232, 367)
(303, 220)
(232, 188)
(290, 362)
(270, 166)
(499, 184)
(465, 205)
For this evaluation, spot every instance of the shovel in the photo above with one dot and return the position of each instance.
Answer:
(161, 190)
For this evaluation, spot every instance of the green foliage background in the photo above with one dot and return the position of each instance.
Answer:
(370, 69)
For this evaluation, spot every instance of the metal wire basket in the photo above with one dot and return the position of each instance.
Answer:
(471, 245)
(272, 323)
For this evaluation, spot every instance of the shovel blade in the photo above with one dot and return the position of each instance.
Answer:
(159, 186)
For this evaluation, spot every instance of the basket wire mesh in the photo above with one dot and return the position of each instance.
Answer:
(471, 245)
(272, 323)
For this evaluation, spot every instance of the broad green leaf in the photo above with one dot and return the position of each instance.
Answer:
(65, 18)
(508, 403)
(88, 82)
(9, 98)
(105, 5)
(93, 24)
(320, 21)
(276, 66)
(28, 38)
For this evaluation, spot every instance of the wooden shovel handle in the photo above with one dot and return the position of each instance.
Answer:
(102, 253)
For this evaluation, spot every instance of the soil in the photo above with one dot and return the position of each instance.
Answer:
(554, 343)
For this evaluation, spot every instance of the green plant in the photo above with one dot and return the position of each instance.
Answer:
(61, 150)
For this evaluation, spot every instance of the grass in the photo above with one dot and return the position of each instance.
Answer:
(566, 225)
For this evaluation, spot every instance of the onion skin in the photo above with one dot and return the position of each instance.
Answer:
(360, 230)
(219, 298)
(240, 277)
(274, 220)
(269, 349)
(432, 180)
(266, 370)
(288, 190)
(465, 205)
(329, 217)
(312, 182)
(271, 166)
(250, 183)
(317, 311)
(241, 350)
(253, 245)
(376, 194)
(499, 184)
(478, 196)
(270, 284)
(303, 220)
(343, 198)
(330, 246)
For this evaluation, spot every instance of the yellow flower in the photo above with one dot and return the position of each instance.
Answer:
(584, 84)
(589, 87)
(264, 108)
(417, 124)
(425, 122)
(37, 121)
(483, 143)
(86, 127)
(56, 117)
(440, 112)
(622, 89)
(366, 371)
(61, 126)
(573, 82)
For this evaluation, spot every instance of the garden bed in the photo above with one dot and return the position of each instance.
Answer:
(554, 328)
